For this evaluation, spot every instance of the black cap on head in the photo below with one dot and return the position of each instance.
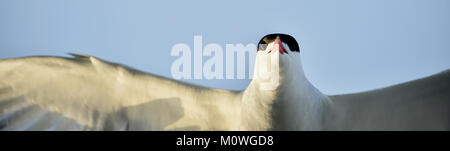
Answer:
(288, 39)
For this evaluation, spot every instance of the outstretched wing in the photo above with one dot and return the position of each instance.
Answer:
(422, 104)
(86, 93)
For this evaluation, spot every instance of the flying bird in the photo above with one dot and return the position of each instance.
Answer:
(88, 93)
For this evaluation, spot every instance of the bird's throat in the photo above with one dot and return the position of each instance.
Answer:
(293, 104)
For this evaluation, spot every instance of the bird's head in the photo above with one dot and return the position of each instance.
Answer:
(277, 60)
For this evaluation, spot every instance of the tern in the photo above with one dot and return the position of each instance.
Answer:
(87, 93)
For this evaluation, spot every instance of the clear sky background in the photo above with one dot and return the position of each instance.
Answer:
(346, 46)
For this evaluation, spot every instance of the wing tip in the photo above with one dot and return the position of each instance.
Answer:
(78, 55)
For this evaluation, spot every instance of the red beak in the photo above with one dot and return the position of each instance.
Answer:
(277, 43)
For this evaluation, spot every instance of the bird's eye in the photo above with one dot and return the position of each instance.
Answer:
(262, 46)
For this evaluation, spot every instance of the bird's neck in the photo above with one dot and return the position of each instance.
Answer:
(294, 104)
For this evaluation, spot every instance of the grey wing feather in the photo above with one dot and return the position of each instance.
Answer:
(86, 93)
(18, 114)
(422, 104)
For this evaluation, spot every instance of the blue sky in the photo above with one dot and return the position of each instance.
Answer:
(346, 46)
